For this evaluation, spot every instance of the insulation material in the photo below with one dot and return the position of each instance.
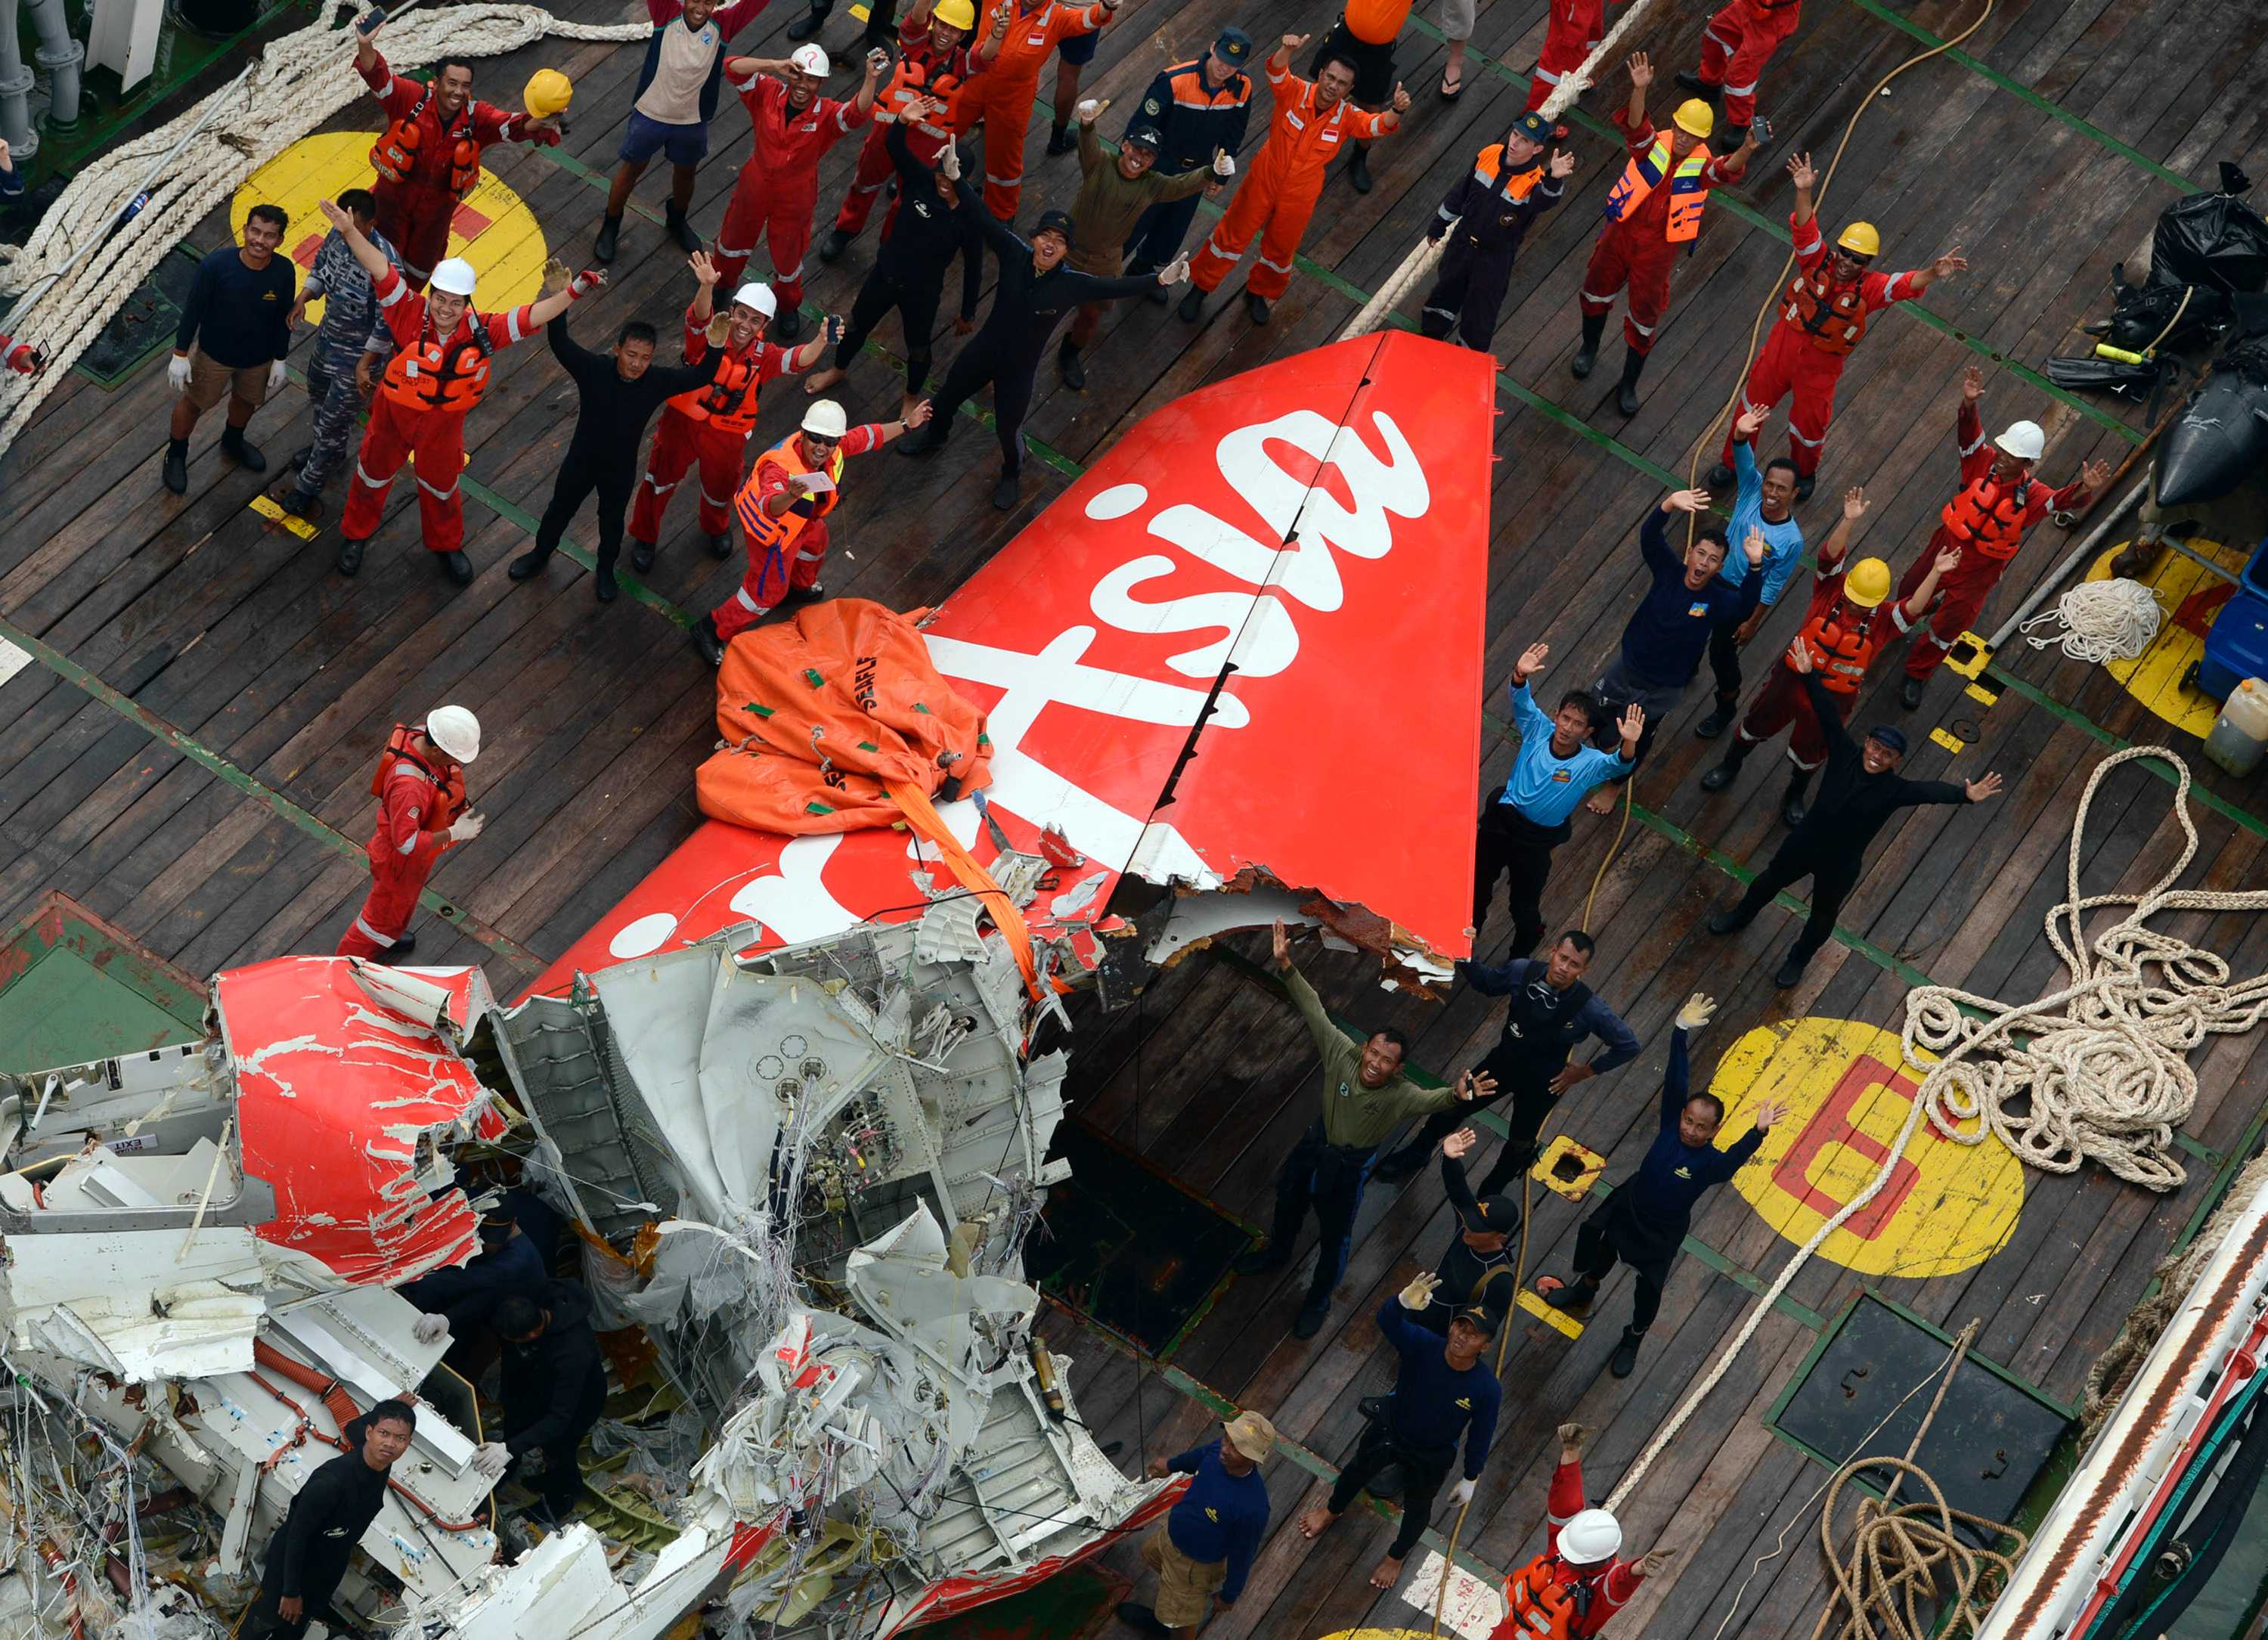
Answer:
(345, 1101)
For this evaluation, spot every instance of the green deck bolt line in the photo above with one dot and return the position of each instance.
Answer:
(72, 673)
(1778, 229)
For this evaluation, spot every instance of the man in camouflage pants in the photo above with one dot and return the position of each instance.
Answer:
(338, 379)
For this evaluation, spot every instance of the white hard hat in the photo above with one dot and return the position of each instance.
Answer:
(759, 297)
(811, 58)
(454, 276)
(2022, 439)
(454, 731)
(826, 418)
(1592, 1536)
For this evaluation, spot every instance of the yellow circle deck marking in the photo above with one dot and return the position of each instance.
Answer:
(493, 228)
(1947, 1206)
(2191, 595)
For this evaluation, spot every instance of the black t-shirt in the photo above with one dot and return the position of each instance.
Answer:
(612, 418)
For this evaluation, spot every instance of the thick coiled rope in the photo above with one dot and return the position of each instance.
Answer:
(2099, 620)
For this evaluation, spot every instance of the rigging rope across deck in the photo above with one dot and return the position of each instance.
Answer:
(79, 272)
(2101, 1070)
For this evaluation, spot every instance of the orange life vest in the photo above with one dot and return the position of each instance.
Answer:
(1842, 644)
(928, 75)
(1989, 516)
(450, 800)
(441, 375)
(1544, 1605)
(1490, 164)
(760, 529)
(394, 154)
(1833, 315)
(728, 403)
(1688, 193)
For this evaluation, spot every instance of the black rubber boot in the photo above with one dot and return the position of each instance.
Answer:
(1586, 356)
(349, 559)
(1624, 1361)
(720, 544)
(1728, 921)
(834, 245)
(1574, 1297)
(1719, 721)
(1060, 141)
(528, 565)
(642, 556)
(176, 470)
(1791, 803)
(1726, 772)
(1357, 168)
(1626, 390)
(803, 27)
(786, 326)
(1008, 492)
(1699, 86)
(1255, 308)
(609, 240)
(1910, 692)
(1191, 308)
(457, 568)
(1074, 374)
(1720, 476)
(706, 640)
(242, 451)
(681, 229)
(1791, 971)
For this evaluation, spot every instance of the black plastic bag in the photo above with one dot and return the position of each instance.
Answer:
(2215, 242)
(2144, 316)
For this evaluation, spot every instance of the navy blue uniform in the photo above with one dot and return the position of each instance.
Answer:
(1433, 1404)
(1220, 1519)
(1196, 121)
(1492, 207)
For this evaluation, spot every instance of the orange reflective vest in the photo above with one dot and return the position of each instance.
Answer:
(1833, 315)
(1842, 642)
(1990, 516)
(441, 375)
(400, 756)
(728, 403)
(394, 155)
(763, 531)
(1543, 1607)
(1688, 193)
(1490, 164)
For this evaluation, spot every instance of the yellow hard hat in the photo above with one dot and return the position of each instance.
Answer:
(549, 93)
(1860, 239)
(1694, 117)
(1868, 583)
(955, 13)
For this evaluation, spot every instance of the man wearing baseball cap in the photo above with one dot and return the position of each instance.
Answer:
(1204, 1547)
(1201, 109)
(1117, 192)
(1859, 792)
(1476, 1270)
(1486, 214)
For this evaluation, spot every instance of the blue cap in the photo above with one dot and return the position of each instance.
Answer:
(1234, 45)
(1891, 736)
(1533, 126)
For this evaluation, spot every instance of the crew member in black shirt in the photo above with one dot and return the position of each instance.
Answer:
(308, 1553)
(235, 329)
(1036, 293)
(1477, 1270)
(930, 228)
(619, 392)
(554, 1387)
(1644, 1220)
(1551, 1011)
(1860, 791)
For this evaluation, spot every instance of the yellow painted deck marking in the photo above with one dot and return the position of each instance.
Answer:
(1951, 743)
(2191, 595)
(1545, 1313)
(1545, 1173)
(1981, 695)
(272, 510)
(1948, 1206)
(494, 229)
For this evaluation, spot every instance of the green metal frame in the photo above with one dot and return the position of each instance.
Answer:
(59, 923)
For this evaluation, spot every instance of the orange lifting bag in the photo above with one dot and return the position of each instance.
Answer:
(822, 714)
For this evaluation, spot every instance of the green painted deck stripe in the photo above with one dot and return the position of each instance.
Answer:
(126, 706)
(1778, 229)
(2017, 88)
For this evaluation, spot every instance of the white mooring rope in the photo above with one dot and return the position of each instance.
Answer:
(2099, 620)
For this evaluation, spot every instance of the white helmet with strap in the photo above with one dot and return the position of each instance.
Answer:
(456, 731)
(1592, 1536)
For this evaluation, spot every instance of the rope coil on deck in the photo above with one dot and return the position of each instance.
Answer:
(74, 271)
(1900, 1558)
(2099, 620)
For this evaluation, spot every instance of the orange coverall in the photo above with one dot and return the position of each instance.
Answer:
(1280, 188)
(1574, 30)
(1738, 42)
(415, 812)
(1000, 99)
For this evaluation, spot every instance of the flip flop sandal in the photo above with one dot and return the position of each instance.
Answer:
(1451, 90)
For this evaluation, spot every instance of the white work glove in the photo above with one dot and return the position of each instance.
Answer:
(275, 374)
(948, 162)
(1419, 1293)
(430, 1329)
(1461, 1493)
(1175, 271)
(177, 373)
(1224, 164)
(467, 828)
(1088, 111)
(491, 1459)
(1697, 1011)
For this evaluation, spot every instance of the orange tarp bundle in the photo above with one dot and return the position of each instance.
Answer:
(822, 714)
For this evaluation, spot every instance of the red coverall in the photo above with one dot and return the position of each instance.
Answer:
(1792, 361)
(1637, 251)
(1612, 1586)
(416, 215)
(920, 72)
(1782, 700)
(779, 188)
(414, 816)
(1738, 42)
(435, 437)
(1000, 99)
(1282, 184)
(768, 580)
(1961, 595)
(694, 431)
(1576, 28)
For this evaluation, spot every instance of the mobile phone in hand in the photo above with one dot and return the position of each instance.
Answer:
(370, 22)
